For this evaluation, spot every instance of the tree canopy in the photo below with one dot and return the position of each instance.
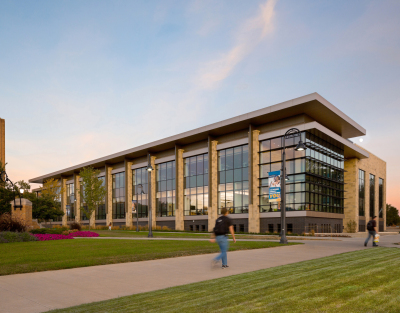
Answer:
(392, 215)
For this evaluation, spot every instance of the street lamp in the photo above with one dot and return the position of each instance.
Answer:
(291, 133)
(149, 170)
(137, 205)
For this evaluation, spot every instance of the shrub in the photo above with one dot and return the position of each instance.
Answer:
(75, 225)
(43, 231)
(351, 226)
(8, 237)
(8, 223)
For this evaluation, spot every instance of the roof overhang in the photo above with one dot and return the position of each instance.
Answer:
(313, 105)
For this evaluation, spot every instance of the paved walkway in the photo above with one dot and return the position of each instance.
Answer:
(43, 291)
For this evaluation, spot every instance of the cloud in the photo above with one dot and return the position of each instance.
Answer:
(250, 34)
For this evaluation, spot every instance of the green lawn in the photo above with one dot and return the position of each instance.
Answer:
(361, 281)
(132, 233)
(37, 256)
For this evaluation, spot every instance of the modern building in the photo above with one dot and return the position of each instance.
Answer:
(226, 164)
(2, 141)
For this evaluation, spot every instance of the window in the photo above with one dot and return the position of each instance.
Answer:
(271, 228)
(140, 192)
(315, 175)
(165, 177)
(118, 195)
(361, 193)
(196, 185)
(371, 195)
(380, 198)
(101, 209)
(233, 179)
(83, 205)
(70, 202)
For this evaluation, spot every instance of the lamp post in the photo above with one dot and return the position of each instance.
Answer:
(4, 178)
(291, 133)
(149, 170)
(137, 205)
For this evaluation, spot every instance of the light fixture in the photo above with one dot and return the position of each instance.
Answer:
(21, 190)
(287, 178)
(300, 146)
(149, 168)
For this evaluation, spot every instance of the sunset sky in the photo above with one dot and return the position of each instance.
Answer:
(83, 79)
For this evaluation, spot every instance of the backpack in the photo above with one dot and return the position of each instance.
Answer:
(370, 226)
(221, 226)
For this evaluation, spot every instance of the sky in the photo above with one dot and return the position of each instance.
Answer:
(83, 79)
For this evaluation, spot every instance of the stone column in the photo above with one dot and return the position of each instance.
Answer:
(367, 217)
(128, 192)
(108, 182)
(153, 191)
(23, 214)
(351, 186)
(179, 216)
(77, 193)
(64, 200)
(254, 211)
(212, 183)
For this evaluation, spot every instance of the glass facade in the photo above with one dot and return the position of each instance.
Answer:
(101, 209)
(70, 202)
(315, 175)
(139, 184)
(381, 198)
(361, 193)
(371, 195)
(118, 195)
(165, 197)
(196, 185)
(233, 179)
(83, 205)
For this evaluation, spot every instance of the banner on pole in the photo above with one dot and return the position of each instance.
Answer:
(274, 184)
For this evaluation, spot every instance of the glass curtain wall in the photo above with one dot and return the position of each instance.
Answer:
(233, 179)
(371, 195)
(196, 185)
(118, 195)
(101, 209)
(139, 179)
(315, 175)
(83, 204)
(380, 198)
(70, 202)
(165, 197)
(361, 193)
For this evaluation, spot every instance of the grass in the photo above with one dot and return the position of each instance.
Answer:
(361, 281)
(26, 257)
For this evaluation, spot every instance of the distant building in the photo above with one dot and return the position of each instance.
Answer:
(2, 141)
(226, 164)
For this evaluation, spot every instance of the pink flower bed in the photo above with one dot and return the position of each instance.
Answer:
(44, 237)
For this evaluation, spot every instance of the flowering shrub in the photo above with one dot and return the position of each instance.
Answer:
(7, 236)
(45, 237)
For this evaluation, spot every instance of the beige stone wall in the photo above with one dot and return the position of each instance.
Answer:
(213, 184)
(2, 141)
(351, 192)
(254, 212)
(128, 193)
(108, 178)
(23, 214)
(372, 165)
(179, 220)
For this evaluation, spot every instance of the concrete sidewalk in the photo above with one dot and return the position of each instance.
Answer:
(39, 292)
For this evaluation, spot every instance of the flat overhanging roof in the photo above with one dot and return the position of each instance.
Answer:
(313, 105)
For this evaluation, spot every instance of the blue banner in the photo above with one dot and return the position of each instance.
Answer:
(274, 184)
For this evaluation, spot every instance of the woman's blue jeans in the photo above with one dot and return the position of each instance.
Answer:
(223, 244)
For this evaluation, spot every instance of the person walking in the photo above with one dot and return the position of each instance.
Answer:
(223, 226)
(372, 232)
(109, 226)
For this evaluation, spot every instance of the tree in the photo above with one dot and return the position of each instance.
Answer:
(93, 192)
(7, 193)
(23, 185)
(392, 215)
(44, 208)
(52, 189)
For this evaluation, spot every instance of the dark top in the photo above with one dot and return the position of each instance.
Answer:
(373, 222)
(222, 225)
